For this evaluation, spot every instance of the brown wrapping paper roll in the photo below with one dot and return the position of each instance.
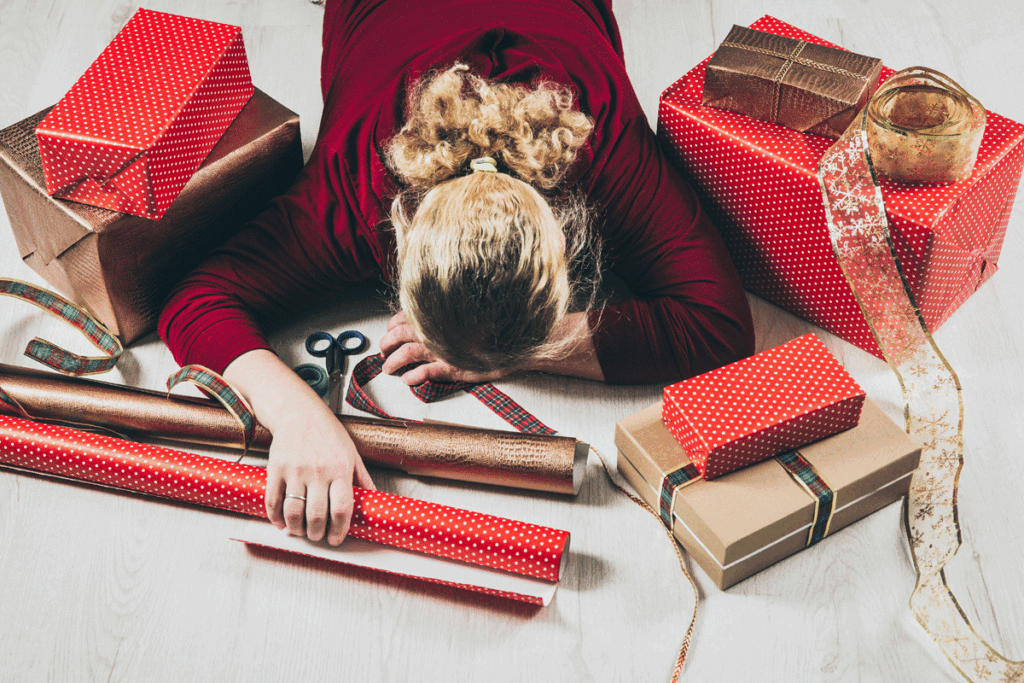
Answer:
(540, 463)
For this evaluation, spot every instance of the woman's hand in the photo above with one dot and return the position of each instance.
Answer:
(312, 457)
(401, 348)
(313, 462)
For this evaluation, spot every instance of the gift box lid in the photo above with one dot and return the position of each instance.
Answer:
(909, 205)
(131, 131)
(741, 512)
(761, 406)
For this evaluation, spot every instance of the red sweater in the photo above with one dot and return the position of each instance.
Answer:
(688, 314)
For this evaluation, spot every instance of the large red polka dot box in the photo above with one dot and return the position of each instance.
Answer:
(759, 182)
(136, 126)
(756, 408)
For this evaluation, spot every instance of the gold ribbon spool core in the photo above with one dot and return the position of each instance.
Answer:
(923, 127)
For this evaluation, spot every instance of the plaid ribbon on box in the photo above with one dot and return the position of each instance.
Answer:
(669, 483)
(57, 306)
(795, 465)
(812, 482)
(428, 392)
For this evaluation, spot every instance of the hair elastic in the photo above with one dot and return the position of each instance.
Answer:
(485, 164)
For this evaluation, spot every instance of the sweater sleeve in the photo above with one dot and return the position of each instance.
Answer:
(297, 254)
(689, 313)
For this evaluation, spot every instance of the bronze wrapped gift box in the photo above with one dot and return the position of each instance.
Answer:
(746, 520)
(807, 87)
(121, 267)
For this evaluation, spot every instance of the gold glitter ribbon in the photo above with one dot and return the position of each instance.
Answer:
(860, 237)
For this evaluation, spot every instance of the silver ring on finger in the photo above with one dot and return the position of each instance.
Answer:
(292, 495)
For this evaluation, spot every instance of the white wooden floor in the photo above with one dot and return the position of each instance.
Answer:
(97, 586)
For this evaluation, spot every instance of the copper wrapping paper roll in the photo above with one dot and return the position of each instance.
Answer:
(541, 463)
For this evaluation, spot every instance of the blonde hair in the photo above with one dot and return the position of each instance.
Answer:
(487, 267)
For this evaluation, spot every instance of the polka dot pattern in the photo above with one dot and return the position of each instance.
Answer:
(136, 126)
(759, 182)
(758, 407)
(459, 534)
(132, 466)
(417, 525)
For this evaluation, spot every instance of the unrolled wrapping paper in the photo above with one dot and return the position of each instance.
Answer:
(530, 461)
(469, 538)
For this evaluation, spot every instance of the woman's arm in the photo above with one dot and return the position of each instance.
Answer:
(311, 456)
(302, 250)
(688, 313)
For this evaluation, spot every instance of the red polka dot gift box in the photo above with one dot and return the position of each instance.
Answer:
(758, 181)
(758, 407)
(136, 126)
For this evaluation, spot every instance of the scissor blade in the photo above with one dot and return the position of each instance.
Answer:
(334, 391)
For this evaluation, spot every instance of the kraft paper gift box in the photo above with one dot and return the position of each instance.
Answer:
(746, 520)
(136, 126)
(121, 267)
(758, 181)
(760, 406)
(807, 87)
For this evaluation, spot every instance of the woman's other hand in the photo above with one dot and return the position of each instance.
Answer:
(402, 348)
(313, 461)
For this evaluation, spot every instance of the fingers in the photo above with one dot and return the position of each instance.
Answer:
(295, 510)
(407, 354)
(396, 320)
(436, 372)
(396, 337)
(274, 498)
(316, 511)
(341, 511)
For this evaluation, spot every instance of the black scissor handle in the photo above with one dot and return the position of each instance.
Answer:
(314, 339)
(348, 335)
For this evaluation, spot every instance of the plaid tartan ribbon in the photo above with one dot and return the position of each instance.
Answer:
(53, 356)
(428, 392)
(669, 484)
(812, 482)
(217, 387)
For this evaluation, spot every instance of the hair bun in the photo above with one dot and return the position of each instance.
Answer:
(456, 118)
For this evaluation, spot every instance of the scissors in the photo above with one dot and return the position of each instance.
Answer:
(334, 353)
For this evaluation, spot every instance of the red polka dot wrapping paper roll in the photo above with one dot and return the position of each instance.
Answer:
(521, 548)
(136, 126)
(756, 408)
(759, 182)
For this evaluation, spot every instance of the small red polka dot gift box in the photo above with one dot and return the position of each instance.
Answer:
(121, 267)
(760, 406)
(747, 520)
(136, 126)
(759, 182)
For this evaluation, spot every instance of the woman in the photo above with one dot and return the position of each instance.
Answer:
(458, 143)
